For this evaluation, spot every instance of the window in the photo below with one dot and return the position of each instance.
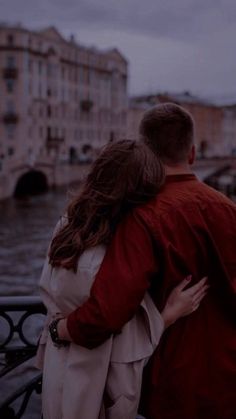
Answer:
(30, 66)
(39, 91)
(40, 111)
(10, 85)
(75, 75)
(64, 111)
(49, 111)
(10, 151)
(49, 132)
(50, 70)
(10, 39)
(40, 67)
(11, 61)
(10, 106)
(10, 128)
(86, 76)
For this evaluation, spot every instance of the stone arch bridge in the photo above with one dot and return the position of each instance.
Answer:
(22, 177)
(31, 179)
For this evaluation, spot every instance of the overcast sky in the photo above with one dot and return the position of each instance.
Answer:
(171, 45)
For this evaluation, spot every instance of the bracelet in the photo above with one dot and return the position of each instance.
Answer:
(54, 334)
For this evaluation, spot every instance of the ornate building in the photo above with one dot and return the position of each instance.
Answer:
(58, 98)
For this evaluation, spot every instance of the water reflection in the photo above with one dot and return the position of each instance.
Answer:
(26, 227)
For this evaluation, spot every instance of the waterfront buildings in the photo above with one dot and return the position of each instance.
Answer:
(59, 100)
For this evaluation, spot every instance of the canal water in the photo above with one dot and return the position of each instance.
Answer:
(26, 227)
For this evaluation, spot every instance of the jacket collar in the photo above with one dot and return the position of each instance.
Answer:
(183, 177)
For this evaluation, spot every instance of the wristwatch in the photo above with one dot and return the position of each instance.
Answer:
(54, 334)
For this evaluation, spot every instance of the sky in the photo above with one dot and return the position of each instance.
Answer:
(171, 45)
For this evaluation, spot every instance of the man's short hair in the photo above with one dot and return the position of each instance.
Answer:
(168, 130)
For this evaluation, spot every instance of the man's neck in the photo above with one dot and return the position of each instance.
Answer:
(178, 169)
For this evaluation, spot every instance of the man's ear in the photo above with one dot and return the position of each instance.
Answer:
(192, 155)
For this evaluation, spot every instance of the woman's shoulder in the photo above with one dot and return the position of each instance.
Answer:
(92, 258)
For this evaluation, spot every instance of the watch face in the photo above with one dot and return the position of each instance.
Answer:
(53, 330)
(54, 334)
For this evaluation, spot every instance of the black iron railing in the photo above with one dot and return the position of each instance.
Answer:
(20, 325)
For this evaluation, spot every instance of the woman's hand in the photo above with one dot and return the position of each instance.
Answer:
(183, 302)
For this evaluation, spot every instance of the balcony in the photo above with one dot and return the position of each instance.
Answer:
(10, 73)
(10, 118)
(54, 142)
(86, 105)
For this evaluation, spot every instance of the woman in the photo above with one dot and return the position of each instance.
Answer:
(104, 382)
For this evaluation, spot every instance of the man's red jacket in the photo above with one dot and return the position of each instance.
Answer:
(188, 229)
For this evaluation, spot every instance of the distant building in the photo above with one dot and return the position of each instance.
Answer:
(229, 129)
(208, 123)
(57, 97)
(208, 118)
(136, 109)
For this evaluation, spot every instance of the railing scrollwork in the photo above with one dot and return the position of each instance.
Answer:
(20, 325)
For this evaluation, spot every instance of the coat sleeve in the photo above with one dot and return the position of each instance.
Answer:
(119, 286)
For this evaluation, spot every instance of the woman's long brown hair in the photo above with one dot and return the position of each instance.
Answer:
(126, 174)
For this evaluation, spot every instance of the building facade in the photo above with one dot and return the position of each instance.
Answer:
(58, 98)
(229, 128)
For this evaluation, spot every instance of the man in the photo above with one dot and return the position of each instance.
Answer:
(188, 229)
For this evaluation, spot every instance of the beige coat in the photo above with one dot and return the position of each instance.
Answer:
(75, 378)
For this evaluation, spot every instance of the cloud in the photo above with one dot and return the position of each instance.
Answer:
(165, 64)
(180, 19)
